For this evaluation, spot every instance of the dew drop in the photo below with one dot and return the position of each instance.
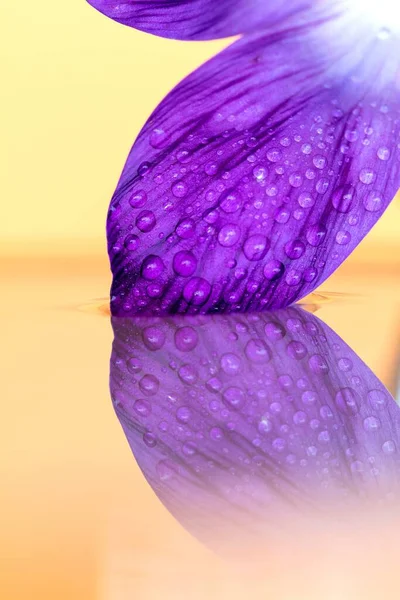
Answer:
(343, 198)
(256, 247)
(383, 153)
(179, 189)
(158, 138)
(229, 235)
(295, 249)
(231, 202)
(367, 176)
(152, 267)
(306, 200)
(315, 235)
(138, 199)
(145, 221)
(373, 201)
(185, 228)
(273, 270)
(184, 263)
(197, 291)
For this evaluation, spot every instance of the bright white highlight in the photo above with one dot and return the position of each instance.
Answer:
(382, 13)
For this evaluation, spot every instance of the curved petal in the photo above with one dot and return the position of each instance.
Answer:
(237, 420)
(199, 19)
(259, 173)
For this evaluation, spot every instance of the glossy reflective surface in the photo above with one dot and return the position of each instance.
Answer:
(78, 517)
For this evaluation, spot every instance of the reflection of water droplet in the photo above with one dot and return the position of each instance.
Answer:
(142, 407)
(186, 339)
(347, 401)
(153, 338)
(274, 330)
(149, 439)
(378, 399)
(188, 374)
(279, 444)
(299, 417)
(324, 437)
(189, 448)
(309, 397)
(357, 466)
(389, 447)
(149, 385)
(230, 363)
(216, 434)
(183, 414)
(296, 350)
(134, 365)
(265, 424)
(257, 351)
(345, 364)
(234, 397)
(371, 424)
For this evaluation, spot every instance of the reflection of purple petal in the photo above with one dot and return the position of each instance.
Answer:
(198, 19)
(252, 414)
(259, 174)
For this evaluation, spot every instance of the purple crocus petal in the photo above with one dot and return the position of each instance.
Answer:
(240, 418)
(199, 19)
(258, 174)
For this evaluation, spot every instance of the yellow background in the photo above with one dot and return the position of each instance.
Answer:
(77, 520)
(76, 89)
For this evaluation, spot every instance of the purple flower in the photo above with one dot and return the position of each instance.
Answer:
(259, 173)
(235, 420)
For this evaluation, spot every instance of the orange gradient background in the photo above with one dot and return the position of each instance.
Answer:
(77, 519)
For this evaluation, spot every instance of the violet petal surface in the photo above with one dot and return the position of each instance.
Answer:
(200, 19)
(246, 418)
(259, 173)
